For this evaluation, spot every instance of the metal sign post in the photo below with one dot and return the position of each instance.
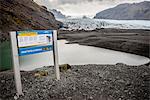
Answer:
(16, 63)
(55, 55)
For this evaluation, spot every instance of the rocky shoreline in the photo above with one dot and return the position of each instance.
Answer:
(136, 41)
(81, 82)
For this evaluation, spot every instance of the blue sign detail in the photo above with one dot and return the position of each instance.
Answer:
(34, 41)
(34, 50)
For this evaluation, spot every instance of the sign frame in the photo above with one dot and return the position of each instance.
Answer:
(15, 56)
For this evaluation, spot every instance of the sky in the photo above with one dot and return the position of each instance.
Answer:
(80, 8)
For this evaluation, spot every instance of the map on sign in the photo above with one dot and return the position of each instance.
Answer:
(34, 41)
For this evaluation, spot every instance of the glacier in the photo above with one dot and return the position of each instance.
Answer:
(92, 24)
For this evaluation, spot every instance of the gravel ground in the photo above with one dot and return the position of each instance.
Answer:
(82, 82)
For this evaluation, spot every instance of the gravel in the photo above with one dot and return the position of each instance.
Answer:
(81, 82)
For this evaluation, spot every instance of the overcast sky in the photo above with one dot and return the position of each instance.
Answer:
(82, 7)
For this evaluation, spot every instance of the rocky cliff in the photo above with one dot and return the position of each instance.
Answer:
(135, 11)
(57, 14)
(24, 14)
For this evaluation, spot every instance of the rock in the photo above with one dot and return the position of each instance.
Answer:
(120, 64)
(119, 99)
(147, 64)
(64, 67)
(3, 81)
(41, 73)
(90, 98)
(57, 13)
(15, 98)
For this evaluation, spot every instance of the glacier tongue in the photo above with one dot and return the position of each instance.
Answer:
(91, 24)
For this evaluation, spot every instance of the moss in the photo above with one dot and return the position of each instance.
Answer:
(41, 73)
(17, 20)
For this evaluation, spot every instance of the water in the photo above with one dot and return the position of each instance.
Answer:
(75, 54)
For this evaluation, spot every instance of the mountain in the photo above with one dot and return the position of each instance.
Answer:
(25, 14)
(135, 11)
(57, 14)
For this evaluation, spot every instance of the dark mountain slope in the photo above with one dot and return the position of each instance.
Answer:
(135, 11)
(25, 14)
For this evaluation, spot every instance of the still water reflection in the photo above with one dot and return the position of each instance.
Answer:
(75, 54)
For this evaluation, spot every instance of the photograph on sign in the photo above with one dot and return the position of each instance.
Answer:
(34, 41)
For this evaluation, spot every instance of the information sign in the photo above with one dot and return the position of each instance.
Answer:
(34, 41)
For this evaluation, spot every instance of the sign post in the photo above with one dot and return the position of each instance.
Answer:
(32, 42)
(55, 53)
(16, 63)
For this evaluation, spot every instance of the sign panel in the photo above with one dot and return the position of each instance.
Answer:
(34, 41)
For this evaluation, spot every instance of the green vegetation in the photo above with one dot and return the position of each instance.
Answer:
(6, 59)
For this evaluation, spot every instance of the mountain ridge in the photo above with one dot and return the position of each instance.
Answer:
(57, 13)
(127, 11)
